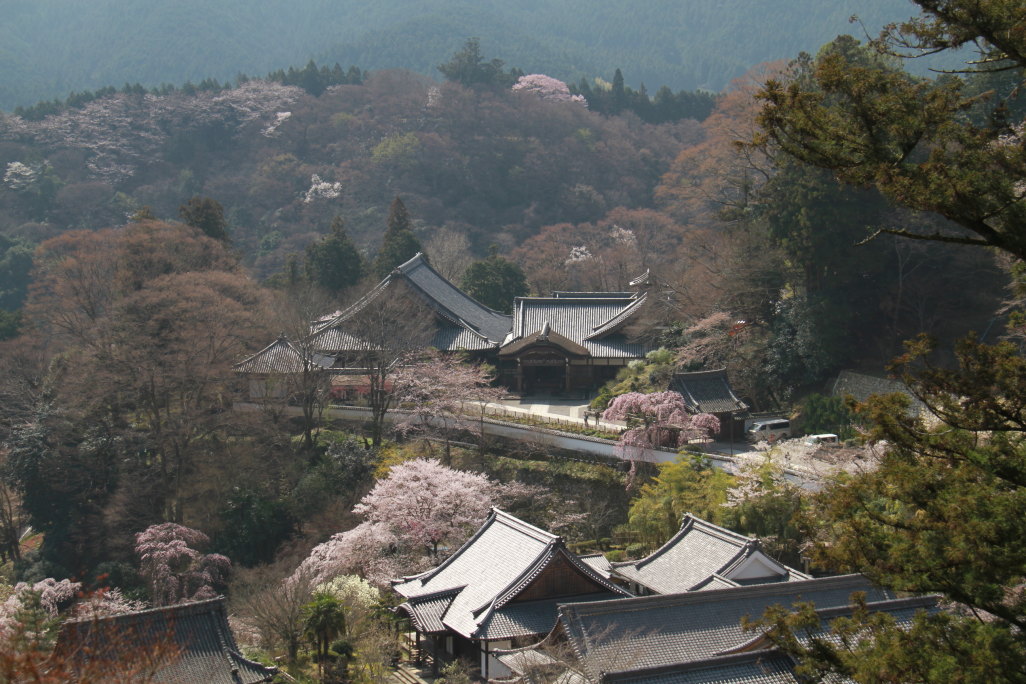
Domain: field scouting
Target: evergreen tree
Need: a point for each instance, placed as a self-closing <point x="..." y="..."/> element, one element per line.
<point x="495" y="282"/>
<point x="206" y="214"/>
<point x="399" y="244"/>
<point x="333" y="262"/>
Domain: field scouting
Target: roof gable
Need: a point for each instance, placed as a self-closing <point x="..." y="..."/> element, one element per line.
<point x="707" y="392"/>
<point x="699" y="553"/>
<point x="590" y="321"/>
<point x="505" y="557"/>
<point x="204" y="649"/>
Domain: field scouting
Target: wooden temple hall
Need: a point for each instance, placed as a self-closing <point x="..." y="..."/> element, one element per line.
<point x="571" y="342"/>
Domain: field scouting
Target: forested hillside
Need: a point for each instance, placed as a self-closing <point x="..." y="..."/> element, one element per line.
<point x="52" y="47"/>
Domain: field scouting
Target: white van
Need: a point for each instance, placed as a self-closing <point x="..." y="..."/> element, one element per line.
<point x="827" y="438"/>
<point x="770" y="430"/>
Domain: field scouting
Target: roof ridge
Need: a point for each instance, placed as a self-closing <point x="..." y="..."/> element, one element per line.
<point x="832" y="612"/>
<point x="524" y="526"/>
<point x="187" y="608"/>
<point x="856" y="581"/>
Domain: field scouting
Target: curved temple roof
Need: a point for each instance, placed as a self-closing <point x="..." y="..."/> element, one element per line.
<point x="475" y="591"/>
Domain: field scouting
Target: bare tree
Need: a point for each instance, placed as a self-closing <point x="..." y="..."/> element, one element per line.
<point x="383" y="331"/>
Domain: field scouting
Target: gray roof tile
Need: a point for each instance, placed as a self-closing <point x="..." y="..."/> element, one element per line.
<point x="281" y="356"/>
<point x="707" y="392"/>
<point x="588" y="321"/>
<point x="198" y="632"/>
<point x="658" y="631"/>
<point x="486" y="573"/>
<point x="694" y="557"/>
<point x="749" y="668"/>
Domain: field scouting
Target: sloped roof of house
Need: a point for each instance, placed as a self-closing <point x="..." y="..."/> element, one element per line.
<point x="280" y="356"/>
<point x="466" y="323"/>
<point x="474" y="592"/>
<point x="707" y="392"/>
<point x="640" y="635"/>
<point x="591" y="321"/>
<point x="202" y="645"/>
<point x="771" y="667"/>
<point x="703" y="556"/>
<point x="861" y="386"/>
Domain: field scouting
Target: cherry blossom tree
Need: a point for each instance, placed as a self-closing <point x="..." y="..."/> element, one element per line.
<point x="658" y="419"/>
<point x="427" y="504"/>
<point x="173" y="567"/>
<point x="442" y="393"/>
<point x="547" y="88"/>
<point x="420" y="507"/>
<point x="49" y="595"/>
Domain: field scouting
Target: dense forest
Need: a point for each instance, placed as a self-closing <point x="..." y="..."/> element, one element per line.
<point x="697" y="45"/>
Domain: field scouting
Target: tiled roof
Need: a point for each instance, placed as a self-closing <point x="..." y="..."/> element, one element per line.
<point x="598" y="562"/>
<point x="492" y="324"/>
<point x="658" y="631"/>
<point x="861" y="386"/>
<point x="588" y="321"/>
<point x="281" y="356"/>
<point x="486" y="574"/>
<point x="532" y="617"/>
<point x="700" y="556"/>
<point x="465" y="323"/>
<point x="707" y="392"/>
<point x="749" y="668"/>
<point x="198" y="632"/>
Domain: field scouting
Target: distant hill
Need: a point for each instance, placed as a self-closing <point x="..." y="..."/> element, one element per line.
<point x="49" y="48"/>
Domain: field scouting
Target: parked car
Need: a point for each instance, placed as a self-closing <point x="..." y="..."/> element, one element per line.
<point x="770" y="430"/>
<point x="827" y="438"/>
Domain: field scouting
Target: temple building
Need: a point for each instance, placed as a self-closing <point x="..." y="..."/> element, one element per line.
<point x="693" y="637"/>
<point x="700" y="557"/>
<point x="500" y="590"/>
<point x="188" y="642"/>
<point x="571" y="342"/>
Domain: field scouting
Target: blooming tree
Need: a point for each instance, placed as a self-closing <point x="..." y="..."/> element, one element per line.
<point x="427" y="504"/>
<point x="421" y="506"/>
<point x="547" y="88"/>
<point x="52" y="596"/>
<point x="442" y="393"/>
<point x="658" y="419"/>
<point x="173" y="567"/>
<point x="321" y="189"/>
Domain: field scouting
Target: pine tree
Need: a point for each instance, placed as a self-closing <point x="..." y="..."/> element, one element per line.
<point x="333" y="262"/>
<point x="399" y="244"/>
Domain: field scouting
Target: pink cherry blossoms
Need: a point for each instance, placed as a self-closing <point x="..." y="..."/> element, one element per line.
<point x="174" y="569"/>
<point x="658" y="419"/>
<point x="420" y="507"/>
<point x="547" y="88"/>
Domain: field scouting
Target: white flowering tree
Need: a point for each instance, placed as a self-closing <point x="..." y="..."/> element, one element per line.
<point x="443" y="395"/>
<point x="420" y="507"/>
<point x="547" y="88"/>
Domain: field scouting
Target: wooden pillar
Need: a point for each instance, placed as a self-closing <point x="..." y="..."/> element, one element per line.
<point x="434" y="659"/>
<point x="420" y="656"/>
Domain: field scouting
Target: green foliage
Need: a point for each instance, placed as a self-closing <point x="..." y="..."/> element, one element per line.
<point x="324" y="619"/>
<point x="688" y="484"/>
<point x="15" y="266"/>
<point x="255" y="525"/>
<point x="343" y="470"/>
<point x="495" y="282"/>
<point x="333" y="262"/>
<point x="206" y="214"/>
<point x="469" y="68"/>
<point x="764" y="504"/>
<point x="10" y="324"/>
<point x="650" y="375"/>
<point x="822" y="414"/>
<point x="399" y="244"/>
